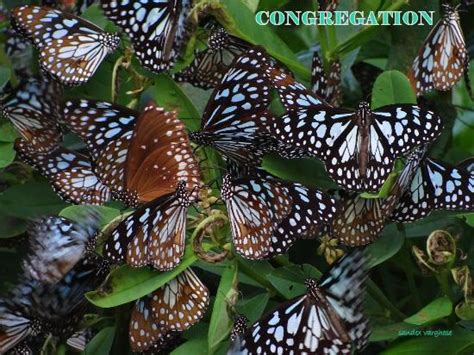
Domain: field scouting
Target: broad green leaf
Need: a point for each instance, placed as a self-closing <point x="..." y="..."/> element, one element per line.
<point x="165" y="92"/>
<point x="95" y="15"/>
<point x="11" y="226"/>
<point x="193" y="346"/>
<point x="253" y="308"/>
<point x="4" y="76"/>
<point x="436" y="310"/>
<point x="17" y="201"/>
<point x="429" y="342"/>
<point x="75" y="213"/>
<point x="220" y="324"/>
<point x="8" y="133"/>
<point x="101" y="343"/>
<point x="392" y="87"/>
<point x="465" y="311"/>
<point x="386" y="246"/>
<point x="7" y="154"/>
<point x="389" y="332"/>
<point x="126" y="284"/>
<point x="240" y="21"/>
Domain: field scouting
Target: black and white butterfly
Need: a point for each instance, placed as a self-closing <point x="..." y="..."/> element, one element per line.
<point x="34" y="110"/>
<point x="359" y="220"/>
<point x="70" y="48"/>
<point x="56" y="245"/>
<point x="436" y="186"/>
<point x="326" y="86"/>
<point x="70" y="174"/>
<point x="328" y="319"/>
<point x="35" y="311"/>
<point x="157" y="28"/>
<point x="443" y="58"/>
<point x="210" y="65"/>
<point x="267" y="215"/>
<point x="358" y="148"/>
<point x="236" y="118"/>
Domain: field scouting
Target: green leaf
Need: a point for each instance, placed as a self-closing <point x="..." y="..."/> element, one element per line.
<point x="240" y="21"/>
<point x="101" y="343"/>
<point x="389" y="332"/>
<point x="436" y="310"/>
<point x="76" y="213"/>
<point x="465" y="311"/>
<point x="4" y="76"/>
<point x="8" y="133"/>
<point x="165" y="92"/>
<point x="126" y="284"/>
<point x="16" y="201"/>
<point x="392" y="87"/>
<point x="11" y="226"/>
<point x="386" y="246"/>
<point x="253" y="308"/>
<point x="7" y="154"/>
<point x="220" y="324"/>
<point x="193" y="346"/>
<point x="289" y="280"/>
<point x="453" y="342"/>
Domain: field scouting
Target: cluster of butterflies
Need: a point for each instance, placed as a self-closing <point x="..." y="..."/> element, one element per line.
<point x="145" y="160"/>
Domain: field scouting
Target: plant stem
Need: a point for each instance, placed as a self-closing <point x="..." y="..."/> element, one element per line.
<point x="323" y="41"/>
<point x="259" y="278"/>
<point x="406" y="266"/>
<point x="381" y="299"/>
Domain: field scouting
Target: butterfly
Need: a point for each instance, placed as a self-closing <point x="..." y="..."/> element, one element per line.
<point x="326" y="87"/>
<point x="33" y="310"/>
<point x="267" y="214"/>
<point x="175" y="307"/>
<point x="436" y="186"/>
<point x="358" y="148"/>
<point x="236" y="118"/>
<point x="69" y="173"/>
<point x="33" y="108"/>
<point x="158" y="29"/>
<point x="359" y="220"/>
<point x="210" y="65"/>
<point x="56" y="245"/>
<point x="70" y="48"/>
<point x="328" y="319"/>
<point x="443" y="58"/>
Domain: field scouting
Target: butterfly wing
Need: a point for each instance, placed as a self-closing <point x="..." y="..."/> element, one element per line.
<point x="235" y="119"/>
<point x="33" y="109"/>
<point x="256" y="207"/>
<point x="69" y="173"/>
<point x="159" y="156"/>
<point x="157" y="29"/>
<point x="14" y="328"/>
<point x="318" y="76"/>
<point x="71" y="48"/>
<point x="180" y="303"/>
<point x="436" y="186"/>
<point x="57" y="244"/>
<point x="152" y="235"/>
<point x="333" y="91"/>
<point x="441" y="61"/>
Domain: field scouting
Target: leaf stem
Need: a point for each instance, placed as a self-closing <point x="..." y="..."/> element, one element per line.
<point x="381" y="299"/>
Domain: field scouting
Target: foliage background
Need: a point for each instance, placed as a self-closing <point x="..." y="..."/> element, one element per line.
<point x="399" y="296"/>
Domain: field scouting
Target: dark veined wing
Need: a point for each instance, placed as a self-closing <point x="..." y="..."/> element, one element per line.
<point x="327" y="86"/>
<point x="359" y="221"/>
<point x="311" y="210"/>
<point x="344" y="288"/>
<point x="210" y="65"/>
<point x="436" y="186"/>
<point x="14" y="327"/>
<point x="441" y="61"/>
<point x="157" y="28"/>
<point x="99" y="123"/>
<point x="70" y="48"/>
<point x="320" y="322"/>
<point x="174" y="307"/>
<point x="358" y="148"/>
<point x="33" y="109"/>
<point x="154" y="234"/>
<point x="69" y="173"/>
<point x="20" y="52"/>
<point x="235" y="119"/>
<point x="56" y="245"/>
<point x="79" y="340"/>
<point x="256" y="206"/>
